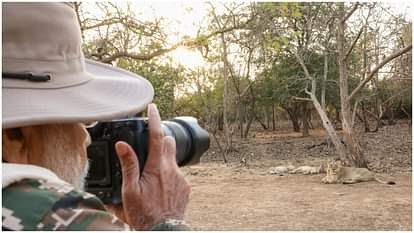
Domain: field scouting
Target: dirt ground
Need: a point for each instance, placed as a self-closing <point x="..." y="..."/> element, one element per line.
<point x="242" y="195"/>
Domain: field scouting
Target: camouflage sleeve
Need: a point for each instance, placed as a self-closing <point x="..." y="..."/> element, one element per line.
<point x="39" y="205"/>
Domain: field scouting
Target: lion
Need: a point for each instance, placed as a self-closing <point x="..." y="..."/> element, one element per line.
<point x="336" y="173"/>
<point x="307" y="170"/>
<point x="280" y="170"/>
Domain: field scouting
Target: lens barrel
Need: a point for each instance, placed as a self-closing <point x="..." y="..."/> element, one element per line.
<point x="191" y="140"/>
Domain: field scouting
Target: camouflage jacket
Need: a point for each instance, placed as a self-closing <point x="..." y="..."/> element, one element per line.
<point x="39" y="203"/>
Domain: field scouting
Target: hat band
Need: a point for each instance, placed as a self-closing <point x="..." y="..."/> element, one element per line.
<point x="27" y="76"/>
<point x="62" y="73"/>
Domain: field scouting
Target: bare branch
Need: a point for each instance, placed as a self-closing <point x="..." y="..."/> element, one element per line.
<point x="354" y="113"/>
<point x="378" y="67"/>
<point x="400" y="93"/>
<point x="105" y="22"/>
<point x="346" y="17"/>
<point x="241" y="25"/>
<point x="138" y="56"/>
<point x="302" y="64"/>
<point x="247" y="88"/>
<point x="359" y="34"/>
<point x="134" y="25"/>
<point x="353" y="43"/>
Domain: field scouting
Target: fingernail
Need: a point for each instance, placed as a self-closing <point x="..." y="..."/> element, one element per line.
<point x="154" y="109"/>
<point x="122" y="149"/>
<point x="150" y="109"/>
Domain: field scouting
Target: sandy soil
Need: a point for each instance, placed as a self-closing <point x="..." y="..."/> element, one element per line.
<point x="241" y="195"/>
<point x="236" y="199"/>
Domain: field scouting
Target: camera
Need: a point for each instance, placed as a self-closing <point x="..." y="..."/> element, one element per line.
<point x="105" y="178"/>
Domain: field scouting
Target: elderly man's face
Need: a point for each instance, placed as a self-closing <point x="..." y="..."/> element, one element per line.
<point x="59" y="147"/>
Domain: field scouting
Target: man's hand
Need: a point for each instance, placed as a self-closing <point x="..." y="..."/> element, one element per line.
<point x="161" y="192"/>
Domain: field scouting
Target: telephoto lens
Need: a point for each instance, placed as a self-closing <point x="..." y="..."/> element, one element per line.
<point x="191" y="140"/>
<point x="104" y="177"/>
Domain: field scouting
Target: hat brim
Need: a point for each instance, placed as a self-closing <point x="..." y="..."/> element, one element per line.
<point x="109" y="94"/>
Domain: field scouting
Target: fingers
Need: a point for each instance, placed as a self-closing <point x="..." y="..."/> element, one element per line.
<point x="155" y="136"/>
<point x="129" y="164"/>
<point x="169" y="150"/>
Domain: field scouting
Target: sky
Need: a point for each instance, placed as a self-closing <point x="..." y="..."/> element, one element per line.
<point x="183" y="17"/>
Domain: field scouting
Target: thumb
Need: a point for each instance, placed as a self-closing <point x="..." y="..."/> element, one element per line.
<point x="129" y="163"/>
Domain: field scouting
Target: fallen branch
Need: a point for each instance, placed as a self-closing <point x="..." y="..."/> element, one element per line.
<point x="315" y="145"/>
<point x="301" y="98"/>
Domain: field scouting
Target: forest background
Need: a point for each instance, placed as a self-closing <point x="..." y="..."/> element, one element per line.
<point x="235" y="65"/>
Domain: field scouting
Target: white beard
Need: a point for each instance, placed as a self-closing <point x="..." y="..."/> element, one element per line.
<point x="67" y="162"/>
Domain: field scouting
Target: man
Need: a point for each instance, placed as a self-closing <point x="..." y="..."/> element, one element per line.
<point x="48" y="92"/>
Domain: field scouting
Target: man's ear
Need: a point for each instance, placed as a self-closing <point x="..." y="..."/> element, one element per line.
<point x="14" y="144"/>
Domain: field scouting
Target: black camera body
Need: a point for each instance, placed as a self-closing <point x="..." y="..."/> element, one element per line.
<point x="105" y="178"/>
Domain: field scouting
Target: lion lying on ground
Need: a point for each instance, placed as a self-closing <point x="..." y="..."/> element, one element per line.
<point x="336" y="173"/>
<point x="305" y="170"/>
<point x="280" y="170"/>
<point x="308" y="170"/>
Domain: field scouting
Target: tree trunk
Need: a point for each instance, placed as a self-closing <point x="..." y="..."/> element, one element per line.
<point x="273" y="118"/>
<point x="219" y="146"/>
<point x="241" y="120"/>
<point x="225" y="95"/>
<point x="266" y="116"/>
<point x="328" y="127"/>
<point x="252" y="111"/>
<point x="391" y="116"/>
<point x="355" y="157"/>
<point x="325" y="77"/>
<point x="220" y="121"/>
<point x="364" y="118"/>
<point x="247" y="129"/>
<point x="261" y="122"/>
<point x="305" y="119"/>
<point x="363" y="75"/>
<point x="338" y="121"/>
<point x="378" y="110"/>
<point x="293" y="118"/>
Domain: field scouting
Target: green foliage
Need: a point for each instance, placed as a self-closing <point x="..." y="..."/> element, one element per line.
<point x="285" y="79"/>
<point x="201" y="40"/>
<point x="201" y="105"/>
<point x="275" y="43"/>
<point x="290" y="9"/>
<point x="164" y="78"/>
<point x="284" y="9"/>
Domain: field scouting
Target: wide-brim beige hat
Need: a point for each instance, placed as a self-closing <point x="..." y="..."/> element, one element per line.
<point x="46" y="79"/>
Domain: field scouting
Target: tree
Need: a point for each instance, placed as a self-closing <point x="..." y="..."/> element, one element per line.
<point x="356" y="156"/>
<point x="305" y="25"/>
<point x="164" y="77"/>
